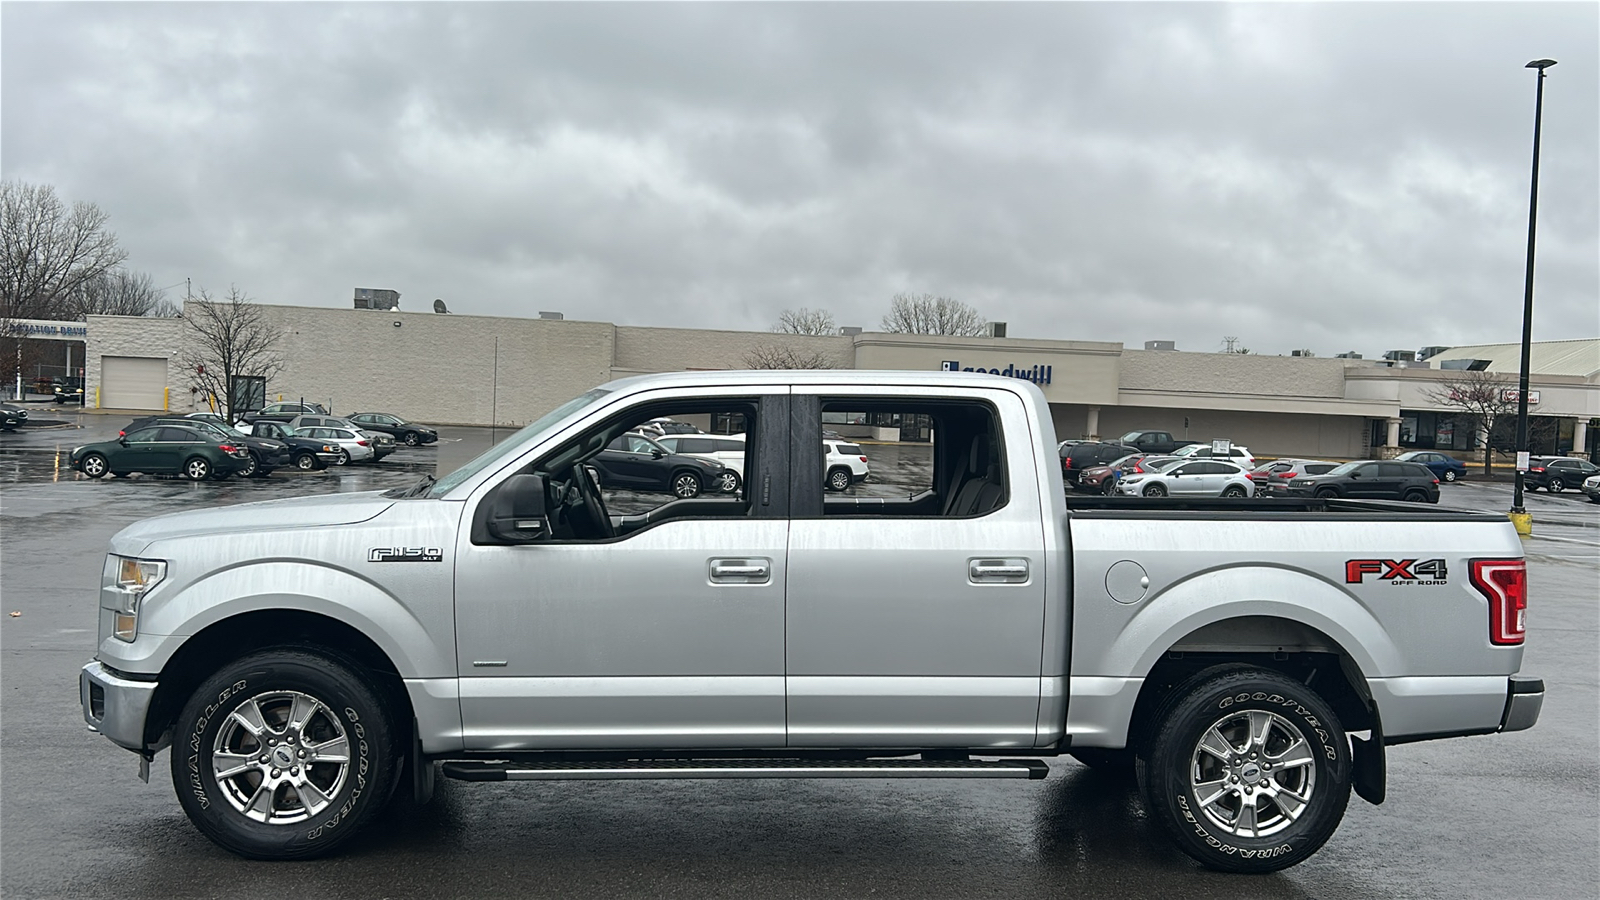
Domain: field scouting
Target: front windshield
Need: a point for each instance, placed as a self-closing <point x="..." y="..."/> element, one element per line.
<point x="1409" y="456"/>
<point x="1130" y="437"/>
<point x="554" y="417"/>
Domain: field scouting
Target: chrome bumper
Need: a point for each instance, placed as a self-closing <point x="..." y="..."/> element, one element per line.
<point x="1524" y="699"/>
<point x="113" y="706"/>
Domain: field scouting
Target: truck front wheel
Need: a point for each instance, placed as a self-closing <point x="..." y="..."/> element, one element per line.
<point x="1249" y="771"/>
<point x="283" y="754"/>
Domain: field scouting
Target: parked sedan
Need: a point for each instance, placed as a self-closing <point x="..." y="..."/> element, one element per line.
<point x="265" y="454"/>
<point x="12" y="416"/>
<point x="1443" y="465"/>
<point x="636" y="462"/>
<point x="409" y="433"/>
<point x="305" y="452"/>
<point x="162" y="449"/>
<point x="1557" y="473"/>
<point x="1371" y="479"/>
<point x="1190" y="478"/>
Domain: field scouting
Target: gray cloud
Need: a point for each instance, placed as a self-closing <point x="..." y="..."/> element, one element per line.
<point x="1332" y="176"/>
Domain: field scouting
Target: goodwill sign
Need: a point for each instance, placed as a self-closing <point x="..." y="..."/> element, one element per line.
<point x="1035" y="374"/>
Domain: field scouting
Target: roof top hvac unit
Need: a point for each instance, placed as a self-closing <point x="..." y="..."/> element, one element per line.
<point x="1161" y="345"/>
<point x="995" y="329"/>
<point x="377" y="298"/>
<point x="1400" y="355"/>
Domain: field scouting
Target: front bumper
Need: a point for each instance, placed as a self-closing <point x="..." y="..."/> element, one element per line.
<point x="1524" y="700"/>
<point x="115" y="706"/>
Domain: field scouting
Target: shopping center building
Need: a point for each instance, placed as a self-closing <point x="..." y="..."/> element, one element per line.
<point x="478" y="370"/>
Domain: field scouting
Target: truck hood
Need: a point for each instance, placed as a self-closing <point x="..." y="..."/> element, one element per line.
<point x="298" y="512"/>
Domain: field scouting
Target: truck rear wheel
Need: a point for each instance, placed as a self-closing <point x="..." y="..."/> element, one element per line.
<point x="1248" y="771"/>
<point x="283" y="754"/>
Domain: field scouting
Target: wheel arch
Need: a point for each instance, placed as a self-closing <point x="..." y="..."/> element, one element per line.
<point x="227" y="639"/>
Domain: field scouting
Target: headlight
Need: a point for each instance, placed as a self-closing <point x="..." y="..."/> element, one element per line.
<point x="1132" y="479"/>
<point x="135" y="578"/>
<point x="709" y="464"/>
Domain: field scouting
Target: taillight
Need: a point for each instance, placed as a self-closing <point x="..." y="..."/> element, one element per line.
<point x="362" y="443"/>
<point x="1066" y="462"/>
<point x="227" y="448"/>
<point x="1436" y="481"/>
<point x="863" y="459"/>
<point x="1537" y="469"/>
<point x="1504" y="583"/>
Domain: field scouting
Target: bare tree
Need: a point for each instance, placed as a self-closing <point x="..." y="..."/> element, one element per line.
<point x="780" y="356"/>
<point x="927" y="314"/>
<point x="48" y="252"/>
<point x="1484" y="399"/>
<point x="119" y="293"/>
<point x="806" y="321"/>
<point x="228" y="339"/>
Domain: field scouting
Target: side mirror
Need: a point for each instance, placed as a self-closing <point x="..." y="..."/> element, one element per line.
<point x="656" y="454"/>
<point x="1356" y="474"/>
<point x="123" y="441"/>
<point x="517" y="510"/>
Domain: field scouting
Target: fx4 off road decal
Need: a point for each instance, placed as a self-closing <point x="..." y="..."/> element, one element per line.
<point x="405" y="554"/>
<point x="1397" y="571"/>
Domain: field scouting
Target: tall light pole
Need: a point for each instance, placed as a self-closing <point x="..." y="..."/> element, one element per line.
<point x="1519" y="514"/>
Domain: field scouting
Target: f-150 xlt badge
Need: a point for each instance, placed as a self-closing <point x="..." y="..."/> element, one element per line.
<point x="405" y="554"/>
<point x="1397" y="571"/>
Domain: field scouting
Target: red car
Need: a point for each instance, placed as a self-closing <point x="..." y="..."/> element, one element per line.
<point x="1103" y="479"/>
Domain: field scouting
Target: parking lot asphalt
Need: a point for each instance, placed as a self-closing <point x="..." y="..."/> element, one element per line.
<point x="1512" y="815"/>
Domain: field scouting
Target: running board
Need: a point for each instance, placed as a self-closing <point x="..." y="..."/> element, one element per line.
<point x="745" y="768"/>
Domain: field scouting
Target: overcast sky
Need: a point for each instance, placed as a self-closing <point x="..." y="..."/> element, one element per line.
<point x="1330" y="176"/>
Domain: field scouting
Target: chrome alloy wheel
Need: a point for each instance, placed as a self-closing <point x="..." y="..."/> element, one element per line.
<point x="280" y="757"/>
<point x="1253" y="773"/>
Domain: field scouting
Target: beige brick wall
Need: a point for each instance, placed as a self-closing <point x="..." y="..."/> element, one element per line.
<point x="438" y="369"/>
<point x="1292" y="376"/>
<point x="641" y="350"/>
<point x="146" y="336"/>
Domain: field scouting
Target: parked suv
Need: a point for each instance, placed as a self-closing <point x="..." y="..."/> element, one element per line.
<point x="1371" y="479"/>
<point x="844" y="464"/>
<point x="282" y="412"/>
<point x="1237" y="454"/>
<point x="728" y="449"/>
<point x="634" y="461"/>
<point x="1274" y="477"/>
<point x="382" y="443"/>
<point x="1090" y="454"/>
<point x="1557" y="473"/>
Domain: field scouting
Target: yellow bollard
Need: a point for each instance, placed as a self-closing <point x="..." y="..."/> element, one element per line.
<point x="166" y="398"/>
<point x="1523" y="522"/>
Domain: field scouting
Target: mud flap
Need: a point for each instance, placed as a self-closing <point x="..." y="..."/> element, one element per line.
<point x="1367" y="766"/>
<point x="422" y="769"/>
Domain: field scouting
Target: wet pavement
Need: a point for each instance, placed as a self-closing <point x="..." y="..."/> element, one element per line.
<point x="1513" y="815"/>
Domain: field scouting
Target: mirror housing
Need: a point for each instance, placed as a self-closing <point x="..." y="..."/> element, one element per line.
<point x="656" y="454"/>
<point x="517" y="511"/>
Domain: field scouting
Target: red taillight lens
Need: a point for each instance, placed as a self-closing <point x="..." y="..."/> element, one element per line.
<point x="1537" y="469"/>
<point x="1066" y="462"/>
<point x="1436" y="481"/>
<point x="362" y="443"/>
<point x="226" y="448"/>
<point x="863" y="459"/>
<point x="1504" y="583"/>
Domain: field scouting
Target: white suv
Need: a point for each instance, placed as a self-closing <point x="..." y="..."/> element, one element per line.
<point x="844" y="465"/>
<point x="727" y="449"/>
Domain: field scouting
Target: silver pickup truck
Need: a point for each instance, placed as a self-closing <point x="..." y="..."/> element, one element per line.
<point x="952" y="617"/>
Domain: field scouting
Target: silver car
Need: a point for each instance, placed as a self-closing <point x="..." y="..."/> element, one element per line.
<point x="382" y="444"/>
<point x="354" y="446"/>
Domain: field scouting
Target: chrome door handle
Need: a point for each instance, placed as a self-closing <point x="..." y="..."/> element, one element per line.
<point x="741" y="571"/>
<point x="997" y="571"/>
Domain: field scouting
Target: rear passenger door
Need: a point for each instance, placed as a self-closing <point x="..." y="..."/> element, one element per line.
<point x="915" y="607"/>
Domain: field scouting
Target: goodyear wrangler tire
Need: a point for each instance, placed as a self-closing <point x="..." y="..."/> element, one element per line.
<point x="283" y="754"/>
<point x="1248" y="771"/>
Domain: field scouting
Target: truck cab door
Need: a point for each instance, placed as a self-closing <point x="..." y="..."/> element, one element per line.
<point x="915" y="608"/>
<point x="667" y="633"/>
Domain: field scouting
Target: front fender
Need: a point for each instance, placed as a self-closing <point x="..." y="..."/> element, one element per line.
<point x="1280" y="592"/>
<point x="416" y="632"/>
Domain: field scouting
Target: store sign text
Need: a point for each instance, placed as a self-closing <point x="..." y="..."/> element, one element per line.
<point x="1035" y="374"/>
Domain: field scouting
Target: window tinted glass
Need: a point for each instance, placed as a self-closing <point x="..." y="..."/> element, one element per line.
<point x="1319" y="468"/>
<point x="178" y="436"/>
<point x="1396" y="470"/>
<point x="144" y="436"/>
<point x="695" y="445"/>
<point x="638" y="444"/>
<point x="725" y="445"/>
<point x="849" y="449"/>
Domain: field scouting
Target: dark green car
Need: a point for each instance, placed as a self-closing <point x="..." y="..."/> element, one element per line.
<point x="163" y="450"/>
